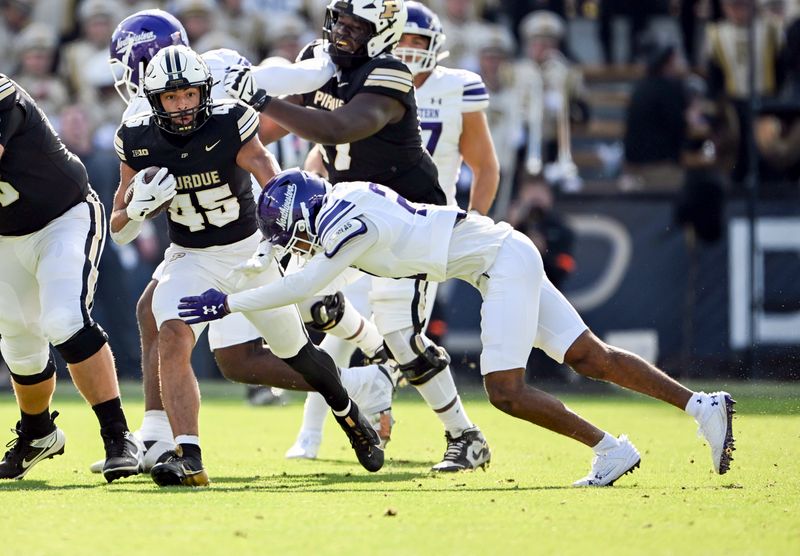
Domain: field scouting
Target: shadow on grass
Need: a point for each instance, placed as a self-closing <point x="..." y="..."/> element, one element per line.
<point x="28" y="484"/>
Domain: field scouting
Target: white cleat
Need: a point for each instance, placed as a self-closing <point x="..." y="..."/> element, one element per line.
<point x="613" y="464"/>
<point x="305" y="447"/>
<point x="715" y="424"/>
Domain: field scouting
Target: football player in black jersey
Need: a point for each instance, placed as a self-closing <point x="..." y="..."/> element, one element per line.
<point x="52" y="232"/>
<point x="207" y="151"/>
<point x="365" y="121"/>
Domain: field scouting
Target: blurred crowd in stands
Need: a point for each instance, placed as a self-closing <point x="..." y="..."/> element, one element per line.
<point x="599" y="96"/>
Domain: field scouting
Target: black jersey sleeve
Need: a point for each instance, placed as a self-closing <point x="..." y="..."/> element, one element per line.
<point x="246" y="121"/>
<point x="388" y="76"/>
<point x="8" y="93"/>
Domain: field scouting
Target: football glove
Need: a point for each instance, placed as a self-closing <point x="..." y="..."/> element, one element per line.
<point x="240" y="83"/>
<point x="148" y="196"/>
<point x="210" y="305"/>
<point x="253" y="266"/>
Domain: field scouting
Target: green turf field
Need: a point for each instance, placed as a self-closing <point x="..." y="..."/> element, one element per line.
<point x="260" y="503"/>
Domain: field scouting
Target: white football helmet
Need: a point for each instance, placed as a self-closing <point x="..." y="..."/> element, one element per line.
<point x="171" y="69"/>
<point x="387" y="18"/>
<point x="422" y="21"/>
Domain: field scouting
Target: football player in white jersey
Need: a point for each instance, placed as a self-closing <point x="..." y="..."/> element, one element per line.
<point x="370" y="227"/>
<point x="450" y="108"/>
<point x="236" y="343"/>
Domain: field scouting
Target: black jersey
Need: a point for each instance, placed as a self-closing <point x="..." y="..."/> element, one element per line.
<point x="39" y="178"/>
<point x="214" y="202"/>
<point x="394" y="156"/>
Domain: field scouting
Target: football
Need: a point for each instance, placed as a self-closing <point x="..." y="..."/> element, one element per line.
<point x="149" y="174"/>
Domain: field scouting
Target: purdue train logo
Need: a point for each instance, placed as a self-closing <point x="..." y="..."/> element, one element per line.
<point x="285" y="220"/>
<point x="390" y="8"/>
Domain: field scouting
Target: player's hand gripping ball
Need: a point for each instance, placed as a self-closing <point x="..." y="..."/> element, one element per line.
<point x="149" y="193"/>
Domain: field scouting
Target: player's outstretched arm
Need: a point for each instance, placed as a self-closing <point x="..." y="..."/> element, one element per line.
<point x="363" y="116"/>
<point x="477" y="149"/>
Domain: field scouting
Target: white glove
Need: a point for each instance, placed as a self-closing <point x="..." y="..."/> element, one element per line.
<point x="239" y="83"/>
<point x="253" y="266"/>
<point x="148" y="196"/>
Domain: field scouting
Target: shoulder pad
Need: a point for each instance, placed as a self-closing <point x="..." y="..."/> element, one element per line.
<point x="8" y="93"/>
<point x="223" y="106"/>
<point x="341" y="234"/>
<point x="138" y="120"/>
<point x="308" y="50"/>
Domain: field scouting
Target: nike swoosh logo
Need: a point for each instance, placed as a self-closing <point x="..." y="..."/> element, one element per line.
<point x="343" y="84"/>
<point x="28" y="462"/>
<point x="152" y="198"/>
<point x="209" y="147"/>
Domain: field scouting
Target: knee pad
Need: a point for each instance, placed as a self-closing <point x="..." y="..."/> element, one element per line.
<point x="82" y="345"/>
<point x="41" y="376"/>
<point x="327" y="312"/>
<point x="430" y="361"/>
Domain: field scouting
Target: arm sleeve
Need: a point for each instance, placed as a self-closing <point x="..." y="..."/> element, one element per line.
<point x="390" y="77"/>
<point x="474" y="96"/>
<point x="247" y="123"/>
<point x="312" y="278"/>
<point x="301" y="77"/>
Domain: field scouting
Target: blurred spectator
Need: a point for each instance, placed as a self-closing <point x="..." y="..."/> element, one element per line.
<point x="96" y="19"/>
<point x="656" y="122"/>
<point x="495" y="65"/>
<point x="16" y="16"/>
<point x="777" y="132"/>
<point x="461" y="25"/>
<point x="553" y="94"/>
<point x="533" y="214"/>
<point x="289" y="39"/>
<point x="637" y="13"/>
<point x="728" y="52"/>
<point x="516" y="10"/>
<point x="101" y="100"/>
<point x="221" y="39"/>
<point x="248" y="28"/>
<point x="774" y="11"/>
<point x="197" y="17"/>
<point x="36" y="48"/>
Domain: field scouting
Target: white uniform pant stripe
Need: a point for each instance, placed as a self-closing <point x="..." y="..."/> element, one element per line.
<point x="95" y="242"/>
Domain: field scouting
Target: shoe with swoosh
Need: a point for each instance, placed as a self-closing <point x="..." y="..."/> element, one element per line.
<point x="25" y="452"/>
<point x="177" y="470"/>
<point x="466" y="452"/>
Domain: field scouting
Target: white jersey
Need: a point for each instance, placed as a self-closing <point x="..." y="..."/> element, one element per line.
<point x="441" y="101"/>
<point x="368" y="226"/>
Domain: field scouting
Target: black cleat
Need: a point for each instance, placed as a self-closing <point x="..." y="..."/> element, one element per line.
<point x="124" y="456"/>
<point x="465" y="453"/>
<point x="26" y="452"/>
<point x="177" y="470"/>
<point x="363" y="438"/>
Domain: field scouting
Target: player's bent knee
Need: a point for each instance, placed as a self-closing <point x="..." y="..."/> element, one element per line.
<point x="504" y="389"/>
<point x="327" y="312"/>
<point x="589" y="356"/>
<point x="144" y="307"/>
<point x="237" y="363"/>
<point x="29" y="371"/>
<point x="429" y="363"/>
<point x="83" y="344"/>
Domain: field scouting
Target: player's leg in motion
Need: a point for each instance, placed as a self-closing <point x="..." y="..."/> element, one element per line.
<point x="399" y="311"/>
<point x="250" y="361"/>
<point x="346" y="329"/>
<point x="49" y="292"/>
<point x="592" y="358"/>
<point x="510" y="318"/>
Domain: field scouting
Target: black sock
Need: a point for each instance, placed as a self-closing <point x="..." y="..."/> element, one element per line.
<point x="36" y="426"/>
<point x="111" y="417"/>
<point x="321" y="372"/>
<point x="191" y="451"/>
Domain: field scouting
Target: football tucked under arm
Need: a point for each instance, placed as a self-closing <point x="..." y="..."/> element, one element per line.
<point x="149" y="193"/>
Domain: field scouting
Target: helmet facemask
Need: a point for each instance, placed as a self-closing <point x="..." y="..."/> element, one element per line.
<point x="385" y="19"/>
<point x="174" y="69"/>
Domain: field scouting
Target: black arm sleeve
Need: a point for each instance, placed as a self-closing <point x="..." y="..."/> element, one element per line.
<point x="10" y="122"/>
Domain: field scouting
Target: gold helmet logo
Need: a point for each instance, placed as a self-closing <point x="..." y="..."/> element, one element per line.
<point x="390" y="8"/>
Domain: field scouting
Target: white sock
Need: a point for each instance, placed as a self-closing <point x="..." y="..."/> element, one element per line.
<point x="187" y="439"/>
<point x="607" y="443"/>
<point x="440" y="391"/>
<point x="155" y="426"/>
<point x="315" y="411"/>
<point x="340" y="350"/>
<point x="695" y="404"/>
<point x="354" y="328"/>
<point x="345" y="411"/>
